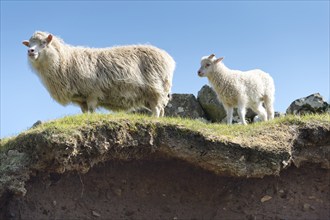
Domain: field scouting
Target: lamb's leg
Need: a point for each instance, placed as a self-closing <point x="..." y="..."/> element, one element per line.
<point x="261" y="111"/>
<point x="156" y="111"/>
<point x="229" y="111"/>
<point x="241" y="113"/>
<point x="162" y="112"/>
<point x="269" y="104"/>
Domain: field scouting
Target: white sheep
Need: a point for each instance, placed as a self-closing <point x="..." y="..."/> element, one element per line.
<point x="234" y="88"/>
<point x="116" y="78"/>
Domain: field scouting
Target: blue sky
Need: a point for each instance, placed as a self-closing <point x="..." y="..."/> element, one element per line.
<point x="287" y="39"/>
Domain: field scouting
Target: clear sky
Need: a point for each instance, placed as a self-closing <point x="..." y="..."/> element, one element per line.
<point x="287" y="39"/>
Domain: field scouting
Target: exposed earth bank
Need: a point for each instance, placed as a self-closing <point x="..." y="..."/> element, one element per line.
<point x="149" y="169"/>
<point x="171" y="189"/>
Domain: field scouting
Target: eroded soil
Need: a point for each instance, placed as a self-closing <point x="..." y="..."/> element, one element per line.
<point x="171" y="189"/>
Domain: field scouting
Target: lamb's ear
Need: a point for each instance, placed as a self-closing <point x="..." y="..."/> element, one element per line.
<point x="211" y="56"/>
<point x="49" y="38"/>
<point x="218" y="60"/>
<point x="26" y="43"/>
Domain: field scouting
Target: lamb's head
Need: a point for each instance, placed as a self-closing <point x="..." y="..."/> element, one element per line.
<point x="208" y="64"/>
<point x="37" y="43"/>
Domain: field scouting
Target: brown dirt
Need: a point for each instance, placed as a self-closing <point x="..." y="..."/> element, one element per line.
<point x="171" y="189"/>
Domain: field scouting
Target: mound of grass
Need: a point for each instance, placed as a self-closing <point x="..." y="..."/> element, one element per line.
<point x="69" y="126"/>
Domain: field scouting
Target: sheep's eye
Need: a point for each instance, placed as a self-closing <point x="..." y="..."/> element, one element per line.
<point x="43" y="43"/>
<point x="207" y="65"/>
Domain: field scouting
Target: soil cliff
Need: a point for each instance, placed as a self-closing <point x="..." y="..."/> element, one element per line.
<point x="137" y="167"/>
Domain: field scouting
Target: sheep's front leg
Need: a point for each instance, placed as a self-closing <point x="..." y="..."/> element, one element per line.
<point x="229" y="111"/>
<point x="156" y="111"/>
<point x="82" y="105"/>
<point x="91" y="104"/>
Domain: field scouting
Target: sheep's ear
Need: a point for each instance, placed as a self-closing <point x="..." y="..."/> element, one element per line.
<point x="211" y="56"/>
<point x="218" y="60"/>
<point x="26" y="43"/>
<point x="49" y="38"/>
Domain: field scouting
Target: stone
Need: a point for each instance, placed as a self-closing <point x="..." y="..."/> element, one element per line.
<point x="185" y="106"/>
<point x="212" y="107"/>
<point x="256" y="119"/>
<point x="279" y="114"/>
<point x="311" y="104"/>
<point x="96" y="214"/>
<point x="265" y="198"/>
<point x="36" y="124"/>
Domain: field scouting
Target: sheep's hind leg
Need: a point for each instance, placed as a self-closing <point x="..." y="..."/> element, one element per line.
<point x="83" y="106"/>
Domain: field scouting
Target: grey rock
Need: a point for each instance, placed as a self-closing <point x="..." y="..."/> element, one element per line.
<point x="279" y="114"/>
<point x="311" y="104"/>
<point x="184" y="105"/>
<point x="256" y="119"/>
<point x="213" y="108"/>
<point x="36" y="124"/>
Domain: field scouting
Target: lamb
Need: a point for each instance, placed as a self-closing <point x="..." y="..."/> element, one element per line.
<point x="235" y="88"/>
<point x="116" y="78"/>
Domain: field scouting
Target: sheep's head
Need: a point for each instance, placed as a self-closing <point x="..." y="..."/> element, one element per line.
<point x="207" y="65"/>
<point x="37" y="43"/>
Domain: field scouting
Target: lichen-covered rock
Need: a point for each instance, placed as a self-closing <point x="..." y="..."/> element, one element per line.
<point x="311" y="104"/>
<point x="185" y="106"/>
<point x="213" y="108"/>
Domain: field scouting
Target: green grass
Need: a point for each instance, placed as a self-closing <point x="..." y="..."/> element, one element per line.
<point x="70" y="126"/>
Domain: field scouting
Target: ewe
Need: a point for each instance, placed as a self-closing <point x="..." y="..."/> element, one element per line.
<point x="234" y="88"/>
<point x="117" y="78"/>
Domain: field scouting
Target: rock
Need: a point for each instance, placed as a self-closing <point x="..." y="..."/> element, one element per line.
<point x="14" y="153"/>
<point x="256" y="119"/>
<point x="117" y="192"/>
<point x="36" y="124"/>
<point x="310" y="104"/>
<point x="96" y="214"/>
<point x="214" y="109"/>
<point x="306" y="207"/>
<point x="279" y="114"/>
<point x="184" y="105"/>
<point x="266" y="198"/>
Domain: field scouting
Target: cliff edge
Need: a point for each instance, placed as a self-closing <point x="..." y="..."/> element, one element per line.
<point x="167" y="150"/>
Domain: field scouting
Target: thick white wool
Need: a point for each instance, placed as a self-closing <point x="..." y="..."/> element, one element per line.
<point x="234" y="88"/>
<point x="117" y="78"/>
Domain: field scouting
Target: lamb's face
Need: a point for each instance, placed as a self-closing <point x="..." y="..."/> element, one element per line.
<point x="207" y="65"/>
<point x="36" y="45"/>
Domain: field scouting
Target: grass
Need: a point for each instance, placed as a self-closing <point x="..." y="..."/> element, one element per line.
<point x="68" y="126"/>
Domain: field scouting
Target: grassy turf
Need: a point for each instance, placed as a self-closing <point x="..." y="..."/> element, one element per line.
<point x="72" y="125"/>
